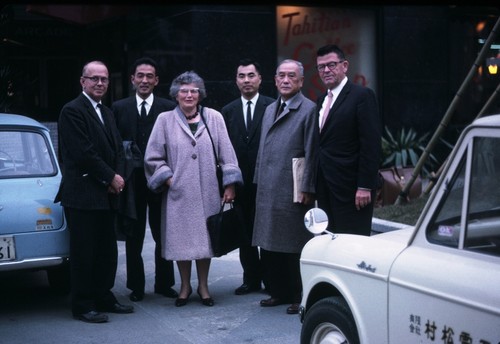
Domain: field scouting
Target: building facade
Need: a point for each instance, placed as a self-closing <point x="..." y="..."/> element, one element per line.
<point x="418" y="55"/>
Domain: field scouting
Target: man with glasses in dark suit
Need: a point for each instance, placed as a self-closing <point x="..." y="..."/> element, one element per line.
<point x="349" y="146"/>
<point x="92" y="162"/>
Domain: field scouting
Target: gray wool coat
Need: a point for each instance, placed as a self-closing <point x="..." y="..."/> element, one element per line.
<point x="279" y="223"/>
<point x="173" y="151"/>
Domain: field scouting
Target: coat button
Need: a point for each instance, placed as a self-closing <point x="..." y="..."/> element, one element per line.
<point x="193" y="143"/>
<point x="193" y="156"/>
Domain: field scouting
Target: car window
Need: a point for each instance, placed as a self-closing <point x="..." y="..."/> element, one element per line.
<point x="479" y="228"/>
<point x="483" y="216"/>
<point x="445" y="229"/>
<point x="25" y="153"/>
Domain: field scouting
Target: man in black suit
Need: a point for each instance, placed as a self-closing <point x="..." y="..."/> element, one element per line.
<point x="92" y="161"/>
<point x="243" y="118"/>
<point x="136" y="126"/>
<point x="349" y="146"/>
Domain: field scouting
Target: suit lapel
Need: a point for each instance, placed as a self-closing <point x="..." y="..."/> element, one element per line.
<point x="240" y="120"/>
<point x="106" y="117"/>
<point x="340" y="99"/>
<point x="107" y="125"/>
<point x="133" y="117"/>
<point x="294" y="104"/>
<point x="257" y="117"/>
<point x="92" y="112"/>
<point x="154" y="111"/>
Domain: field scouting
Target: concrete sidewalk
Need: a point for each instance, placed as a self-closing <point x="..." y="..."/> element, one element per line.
<point x="31" y="313"/>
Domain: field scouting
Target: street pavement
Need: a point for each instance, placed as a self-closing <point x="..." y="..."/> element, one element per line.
<point x="31" y="313"/>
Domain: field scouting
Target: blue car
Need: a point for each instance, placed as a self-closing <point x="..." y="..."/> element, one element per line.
<point x="33" y="230"/>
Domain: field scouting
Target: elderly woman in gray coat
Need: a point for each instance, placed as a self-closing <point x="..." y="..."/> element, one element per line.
<point x="180" y="163"/>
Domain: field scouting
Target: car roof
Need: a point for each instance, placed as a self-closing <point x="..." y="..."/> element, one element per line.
<point x="492" y="120"/>
<point x="12" y="120"/>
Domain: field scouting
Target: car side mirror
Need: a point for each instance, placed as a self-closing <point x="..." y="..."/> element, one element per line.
<point x="316" y="221"/>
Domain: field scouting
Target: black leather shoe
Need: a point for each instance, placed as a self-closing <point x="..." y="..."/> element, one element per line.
<point x="92" y="317"/>
<point x="136" y="296"/>
<point x="118" y="308"/>
<point x="293" y="309"/>
<point x="167" y="293"/>
<point x="181" y="301"/>
<point x="246" y="289"/>
<point x="272" y="301"/>
<point x="206" y="301"/>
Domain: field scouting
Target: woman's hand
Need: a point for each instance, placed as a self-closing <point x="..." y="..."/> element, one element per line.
<point x="229" y="193"/>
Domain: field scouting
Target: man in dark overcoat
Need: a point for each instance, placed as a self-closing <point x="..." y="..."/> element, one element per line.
<point x="289" y="130"/>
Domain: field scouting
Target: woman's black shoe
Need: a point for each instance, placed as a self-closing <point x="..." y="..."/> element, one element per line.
<point x="207" y="301"/>
<point x="181" y="301"/>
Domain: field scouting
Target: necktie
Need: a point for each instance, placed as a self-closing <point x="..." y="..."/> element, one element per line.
<point x="249" y="115"/>
<point x="326" y="110"/>
<point x="99" y="113"/>
<point x="143" y="110"/>
<point x="280" y="110"/>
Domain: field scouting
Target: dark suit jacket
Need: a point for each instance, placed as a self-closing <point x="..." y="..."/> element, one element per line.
<point x="125" y="111"/>
<point x="91" y="154"/>
<point x="350" y="142"/>
<point x="126" y="115"/>
<point x="246" y="146"/>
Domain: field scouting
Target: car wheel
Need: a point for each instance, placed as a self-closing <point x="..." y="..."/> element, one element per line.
<point x="59" y="278"/>
<point x="329" y="321"/>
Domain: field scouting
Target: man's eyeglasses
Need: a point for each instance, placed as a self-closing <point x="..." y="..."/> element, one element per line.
<point x="95" y="79"/>
<point x="187" y="90"/>
<point x="330" y="65"/>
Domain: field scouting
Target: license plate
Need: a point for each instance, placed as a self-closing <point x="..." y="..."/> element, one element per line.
<point x="7" y="248"/>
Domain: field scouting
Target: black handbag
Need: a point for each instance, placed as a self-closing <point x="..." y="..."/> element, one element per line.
<point x="225" y="229"/>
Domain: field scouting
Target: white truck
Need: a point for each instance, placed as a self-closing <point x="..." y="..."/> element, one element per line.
<point x="435" y="282"/>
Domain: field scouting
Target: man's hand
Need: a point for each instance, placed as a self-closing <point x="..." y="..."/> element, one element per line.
<point x="117" y="184"/>
<point x="363" y="198"/>
<point x="306" y="198"/>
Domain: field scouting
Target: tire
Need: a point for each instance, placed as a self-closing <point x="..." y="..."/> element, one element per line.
<point x="329" y="321"/>
<point x="59" y="278"/>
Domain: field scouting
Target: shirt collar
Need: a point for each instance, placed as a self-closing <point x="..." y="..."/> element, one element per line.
<point x="92" y="101"/>
<point x="336" y="91"/>
<point x="149" y="100"/>
<point x="253" y="100"/>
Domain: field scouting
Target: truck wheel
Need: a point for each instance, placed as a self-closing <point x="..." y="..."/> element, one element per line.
<point x="59" y="278"/>
<point x="329" y="321"/>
